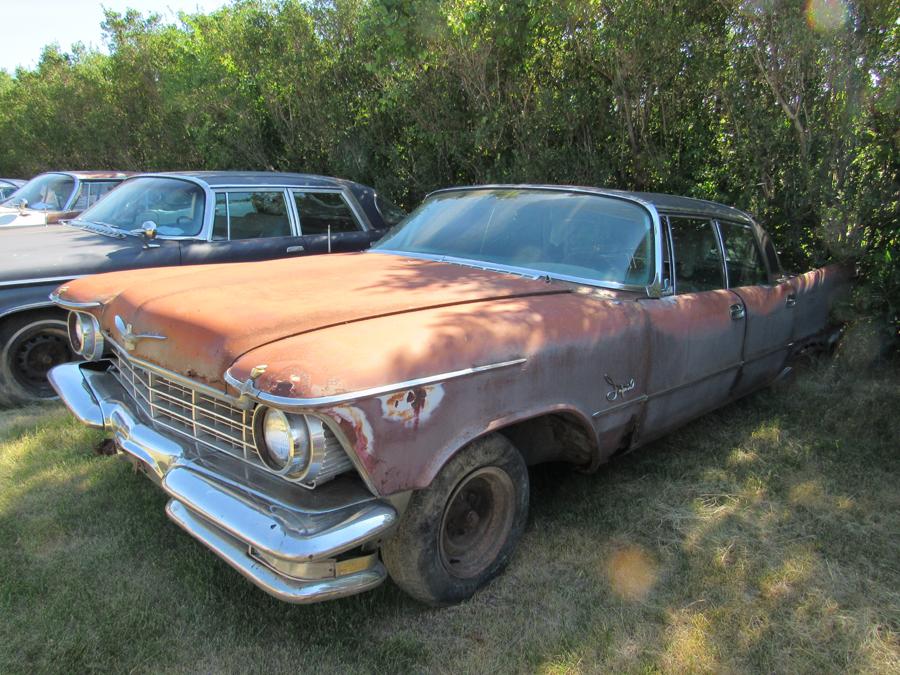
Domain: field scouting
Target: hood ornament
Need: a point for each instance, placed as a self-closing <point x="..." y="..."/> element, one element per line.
<point x="129" y="337"/>
<point x="246" y="388"/>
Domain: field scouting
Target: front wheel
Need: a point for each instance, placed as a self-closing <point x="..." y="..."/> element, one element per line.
<point x="460" y="532"/>
<point x="30" y="345"/>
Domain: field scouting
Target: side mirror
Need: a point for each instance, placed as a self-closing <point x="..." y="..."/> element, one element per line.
<point x="147" y="231"/>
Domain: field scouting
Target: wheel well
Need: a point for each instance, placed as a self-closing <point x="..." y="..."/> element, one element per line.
<point x="553" y="437"/>
<point x="49" y="311"/>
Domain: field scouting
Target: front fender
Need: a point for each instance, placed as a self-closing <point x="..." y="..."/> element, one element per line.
<point x="20" y="298"/>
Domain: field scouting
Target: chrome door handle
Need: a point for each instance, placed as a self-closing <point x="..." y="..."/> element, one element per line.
<point x="738" y="312"/>
<point x="294" y="249"/>
<point x="791" y="300"/>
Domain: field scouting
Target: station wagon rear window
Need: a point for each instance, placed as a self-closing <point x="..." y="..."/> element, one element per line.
<point x="174" y="206"/>
<point x="564" y="234"/>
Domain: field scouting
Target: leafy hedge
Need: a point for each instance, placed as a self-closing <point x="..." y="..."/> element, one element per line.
<point x="785" y="108"/>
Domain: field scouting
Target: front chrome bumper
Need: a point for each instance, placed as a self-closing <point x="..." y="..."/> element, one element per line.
<point x="296" y="544"/>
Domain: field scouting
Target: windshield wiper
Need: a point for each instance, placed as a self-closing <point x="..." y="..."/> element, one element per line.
<point x="98" y="227"/>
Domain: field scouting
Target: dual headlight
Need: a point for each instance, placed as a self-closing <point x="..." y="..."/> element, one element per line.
<point x="297" y="447"/>
<point x="85" y="335"/>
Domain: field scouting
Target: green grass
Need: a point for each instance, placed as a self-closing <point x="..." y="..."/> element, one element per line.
<point x="765" y="537"/>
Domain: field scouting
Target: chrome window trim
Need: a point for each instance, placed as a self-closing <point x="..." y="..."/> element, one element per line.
<point x="653" y="289"/>
<point x="721" y="243"/>
<point x="293" y="404"/>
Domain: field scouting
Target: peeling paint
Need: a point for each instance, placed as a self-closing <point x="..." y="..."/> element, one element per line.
<point x="411" y="406"/>
<point x="360" y="431"/>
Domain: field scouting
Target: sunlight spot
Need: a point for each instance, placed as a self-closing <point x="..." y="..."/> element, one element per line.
<point x="826" y="16"/>
<point x="809" y="493"/>
<point x="632" y="573"/>
<point x="688" y="648"/>
<point x="740" y="457"/>
<point x="783" y="582"/>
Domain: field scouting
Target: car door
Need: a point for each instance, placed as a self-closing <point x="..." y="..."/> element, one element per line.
<point x="248" y="224"/>
<point x="329" y="222"/>
<point x="696" y="333"/>
<point x="769" y="307"/>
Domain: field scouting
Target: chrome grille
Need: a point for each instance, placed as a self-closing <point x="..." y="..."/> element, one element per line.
<point x="210" y="420"/>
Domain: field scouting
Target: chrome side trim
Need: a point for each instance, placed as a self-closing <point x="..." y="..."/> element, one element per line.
<point x="72" y="304"/>
<point x="24" y="308"/>
<point x="291" y="403"/>
<point x="618" y="406"/>
<point x="39" y="280"/>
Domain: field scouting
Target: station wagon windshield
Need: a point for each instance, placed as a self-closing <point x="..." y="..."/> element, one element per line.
<point x="562" y="234"/>
<point x="47" y="192"/>
<point x="173" y="205"/>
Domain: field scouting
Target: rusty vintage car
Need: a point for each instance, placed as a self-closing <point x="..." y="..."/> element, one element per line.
<point x="54" y="196"/>
<point x="323" y="423"/>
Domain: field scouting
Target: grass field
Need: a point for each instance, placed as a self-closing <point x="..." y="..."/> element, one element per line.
<point x="762" y="538"/>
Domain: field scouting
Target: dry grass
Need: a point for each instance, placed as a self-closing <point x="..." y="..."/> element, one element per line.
<point x="763" y="538"/>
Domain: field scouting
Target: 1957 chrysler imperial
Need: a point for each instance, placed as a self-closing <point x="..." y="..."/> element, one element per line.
<point x="323" y="423"/>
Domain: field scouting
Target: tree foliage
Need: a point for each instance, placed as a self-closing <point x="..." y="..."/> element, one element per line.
<point x="786" y="108"/>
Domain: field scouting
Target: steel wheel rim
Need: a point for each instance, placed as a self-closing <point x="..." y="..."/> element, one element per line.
<point x="33" y="352"/>
<point x="477" y="521"/>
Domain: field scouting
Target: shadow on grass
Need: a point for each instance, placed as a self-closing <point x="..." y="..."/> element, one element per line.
<point x="762" y="537"/>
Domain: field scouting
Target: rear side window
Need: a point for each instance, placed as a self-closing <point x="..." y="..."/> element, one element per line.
<point x="742" y="256"/>
<point x="251" y="215"/>
<point x="320" y="210"/>
<point x="698" y="262"/>
<point x="89" y="193"/>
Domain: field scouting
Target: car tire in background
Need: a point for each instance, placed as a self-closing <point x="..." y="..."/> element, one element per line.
<point x="30" y="344"/>
<point x="461" y="530"/>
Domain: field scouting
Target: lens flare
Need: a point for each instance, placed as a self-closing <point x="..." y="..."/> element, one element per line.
<point x="826" y="16"/>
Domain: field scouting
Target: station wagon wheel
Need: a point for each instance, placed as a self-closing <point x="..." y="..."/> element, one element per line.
<point x="29" y="347"/>
<point x="460" y="532"/>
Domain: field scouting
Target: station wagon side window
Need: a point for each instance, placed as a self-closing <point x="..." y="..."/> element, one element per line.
<point x="251" y="215"/>
<point x="742" y="257"/>
<point x="698" y="259"/>
<point x="319" y="210"/>
<point x="89" y="193"/>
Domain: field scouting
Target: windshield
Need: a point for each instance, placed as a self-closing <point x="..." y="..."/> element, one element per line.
<point x="563" y="234"/>
<point x="175" y="206"/>
<point x="47" y="192"/>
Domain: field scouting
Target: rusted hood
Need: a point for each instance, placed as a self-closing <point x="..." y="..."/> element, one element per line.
<point x="212" y="314"/>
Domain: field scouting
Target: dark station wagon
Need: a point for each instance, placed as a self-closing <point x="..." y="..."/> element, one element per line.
<point x="166" y="219"/>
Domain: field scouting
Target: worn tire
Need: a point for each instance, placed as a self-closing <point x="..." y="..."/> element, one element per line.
<point x="28" y="342"/>
<point x="434" y="562"/>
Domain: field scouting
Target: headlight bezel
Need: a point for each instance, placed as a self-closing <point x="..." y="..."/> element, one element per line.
<point x="307" y="444"/>
<point x="90" y="344"/>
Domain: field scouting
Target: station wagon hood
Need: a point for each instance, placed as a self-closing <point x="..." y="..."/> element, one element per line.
<point x="10" y="216"/>
<point x="63" y="251"/>
<point x="212" y="314"/>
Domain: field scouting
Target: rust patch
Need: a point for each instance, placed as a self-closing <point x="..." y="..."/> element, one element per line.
<point x="411" y="406"/>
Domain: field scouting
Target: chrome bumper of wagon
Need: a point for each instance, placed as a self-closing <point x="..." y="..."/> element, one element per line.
<point x="291" y="542"/>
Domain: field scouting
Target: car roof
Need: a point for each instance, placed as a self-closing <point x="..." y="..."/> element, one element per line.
<point x="227" y="178"/>
<point x="95" y="175"/>
<point x="664" y="203"/>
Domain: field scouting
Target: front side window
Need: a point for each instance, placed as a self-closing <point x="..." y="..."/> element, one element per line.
<point x="173" y="205"/>
<point x="742" y="256"/>
<point x="251" y="215"/>
<point x="698" y="262"/>
<point x="320" y="210"/>
<point x="565" y="234"/>
<point x="47" y="192"/>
